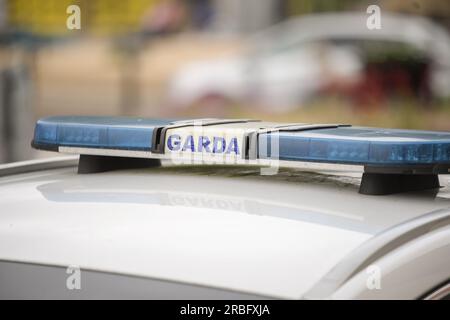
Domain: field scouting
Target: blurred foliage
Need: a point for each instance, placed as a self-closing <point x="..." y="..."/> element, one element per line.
<point x="379" y="51"/>
<point x="48" y="17"/>
<point x="295" y="7"/>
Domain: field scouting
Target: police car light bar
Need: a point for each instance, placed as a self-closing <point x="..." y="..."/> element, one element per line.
<point x="394" y="160"/>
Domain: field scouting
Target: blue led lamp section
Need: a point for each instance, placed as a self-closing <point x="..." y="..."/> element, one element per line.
<point x="95" y="132"/>
<point x="342" y="145"/>
<point x="362" y="146"/>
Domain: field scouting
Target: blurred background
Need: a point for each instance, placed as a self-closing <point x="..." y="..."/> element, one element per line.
<point x="276" y="60"/>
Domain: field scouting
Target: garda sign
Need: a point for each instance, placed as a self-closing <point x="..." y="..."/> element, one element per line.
<point x="203" y="144"/>
<point x="218" y="143"/>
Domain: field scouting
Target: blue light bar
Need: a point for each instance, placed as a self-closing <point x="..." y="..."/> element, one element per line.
<point x="394" y="160"/>
<point x="338" y="144"/>
<point x="364" y="146"/>
<point x="96" y="132"/>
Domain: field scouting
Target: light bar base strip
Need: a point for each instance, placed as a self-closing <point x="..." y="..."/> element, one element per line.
<point x="301" y="165"/>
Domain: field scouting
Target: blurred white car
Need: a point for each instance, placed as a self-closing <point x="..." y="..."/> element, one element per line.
<point x="292" y="61"/>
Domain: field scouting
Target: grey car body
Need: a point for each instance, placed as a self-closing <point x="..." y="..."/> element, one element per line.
<point x="217" y="232"/>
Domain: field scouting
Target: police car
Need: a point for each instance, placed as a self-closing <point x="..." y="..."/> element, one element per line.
<point x="226" y="209"/>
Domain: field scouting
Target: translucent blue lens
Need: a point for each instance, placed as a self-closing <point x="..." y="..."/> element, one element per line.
<point x="353" y="145"/>
<point x="97" y="132"/>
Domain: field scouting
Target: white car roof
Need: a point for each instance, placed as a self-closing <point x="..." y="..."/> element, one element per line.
<point x="219" y="226"/>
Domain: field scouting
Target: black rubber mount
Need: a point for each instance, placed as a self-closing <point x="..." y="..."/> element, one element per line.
<point x="94" y="164"/>
<point x="389" y="183"/>
<point x="43" y="146"/>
